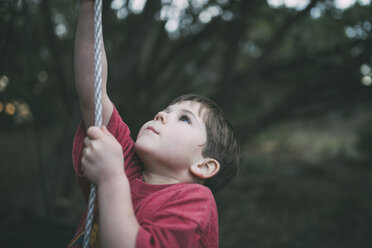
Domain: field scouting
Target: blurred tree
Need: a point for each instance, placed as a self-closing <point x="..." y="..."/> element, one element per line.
<point x="263" y="64"/>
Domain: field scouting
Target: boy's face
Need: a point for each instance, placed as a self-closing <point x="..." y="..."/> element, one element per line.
<point x="174" y="140"/>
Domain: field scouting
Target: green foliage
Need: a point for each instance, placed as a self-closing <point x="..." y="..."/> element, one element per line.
<point x="275" y="72"/>
<point x="364" y="143"/>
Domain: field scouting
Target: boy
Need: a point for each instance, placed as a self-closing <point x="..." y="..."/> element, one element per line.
<point x="151" y="193"/>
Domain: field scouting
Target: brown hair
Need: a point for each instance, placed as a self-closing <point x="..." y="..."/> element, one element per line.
<point x="222" y="143"/>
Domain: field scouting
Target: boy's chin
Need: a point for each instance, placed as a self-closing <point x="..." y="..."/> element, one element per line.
<point x="137" y="146"/>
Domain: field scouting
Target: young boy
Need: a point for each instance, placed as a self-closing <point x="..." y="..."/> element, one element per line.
<point x="156" y="192"/>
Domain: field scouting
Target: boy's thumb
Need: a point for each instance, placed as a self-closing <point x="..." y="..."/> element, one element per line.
<point x="106" y="131"/>
<point x="94" y="132"/>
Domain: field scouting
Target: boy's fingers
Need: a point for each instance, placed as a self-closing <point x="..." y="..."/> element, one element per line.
<point x="86" y="153"/>
<point x="87" y="141"/>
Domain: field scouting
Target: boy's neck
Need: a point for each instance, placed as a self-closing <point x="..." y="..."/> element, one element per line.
<point x="153" y="178"/>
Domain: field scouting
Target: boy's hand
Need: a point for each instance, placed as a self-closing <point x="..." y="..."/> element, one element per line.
<point x="102" y="159"/>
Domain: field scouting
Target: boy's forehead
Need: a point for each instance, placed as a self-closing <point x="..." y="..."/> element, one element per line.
<point x="192" y="106"/>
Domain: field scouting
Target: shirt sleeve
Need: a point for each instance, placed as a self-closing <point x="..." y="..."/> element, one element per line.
<point x="188" y="219"/>
<point x="122" y="134"/>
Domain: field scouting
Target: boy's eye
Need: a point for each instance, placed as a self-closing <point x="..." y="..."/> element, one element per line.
<point x="185" y="118"/>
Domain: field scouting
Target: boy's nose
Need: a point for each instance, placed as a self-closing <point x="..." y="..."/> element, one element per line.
<point x="162" y="117"/>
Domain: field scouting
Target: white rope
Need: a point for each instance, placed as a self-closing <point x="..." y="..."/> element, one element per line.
<point x="98" y="107"/>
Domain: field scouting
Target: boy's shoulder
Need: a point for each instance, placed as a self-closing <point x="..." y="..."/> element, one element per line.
<point x="195" y="189"/>
<point x="195" y="202"/>
<point x="189" y="200"/>
<point x="180" y="194"/>
<point x="191" y="193"/>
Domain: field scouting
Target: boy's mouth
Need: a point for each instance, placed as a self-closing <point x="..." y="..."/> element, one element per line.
<point x="152" y="129"/>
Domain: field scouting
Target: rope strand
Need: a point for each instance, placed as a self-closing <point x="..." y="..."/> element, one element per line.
<point x="98" y="108"/>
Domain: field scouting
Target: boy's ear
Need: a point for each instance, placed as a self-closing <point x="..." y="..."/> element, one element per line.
<point x="206" y="168"/>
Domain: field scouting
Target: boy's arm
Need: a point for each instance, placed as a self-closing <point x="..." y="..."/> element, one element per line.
<point x="84" y="66"/>
<point x="102" y="163"/>
<point x="117" y="221"/>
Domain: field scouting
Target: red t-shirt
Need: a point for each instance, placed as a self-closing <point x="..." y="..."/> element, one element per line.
<point x="171" y="215"/>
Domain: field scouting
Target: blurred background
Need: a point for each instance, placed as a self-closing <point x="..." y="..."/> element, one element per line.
<point x="293" y="76"/>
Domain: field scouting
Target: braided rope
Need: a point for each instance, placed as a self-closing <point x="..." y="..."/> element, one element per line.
<point x="98" y="107"/>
